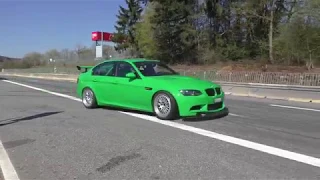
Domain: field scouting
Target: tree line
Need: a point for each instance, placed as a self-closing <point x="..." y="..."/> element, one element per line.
<point x="79" y="55"/>
<point x="285" y="32"/>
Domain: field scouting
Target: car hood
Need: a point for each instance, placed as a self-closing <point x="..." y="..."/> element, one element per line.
<point x="182" y="82"/>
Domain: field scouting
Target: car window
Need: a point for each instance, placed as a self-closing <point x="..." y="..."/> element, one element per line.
<point x="104" y="69"/>
<point x="124" y="68"/>
<point x="150" y="68"/>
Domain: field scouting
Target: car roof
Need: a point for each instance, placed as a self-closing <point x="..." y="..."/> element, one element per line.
<point x="132" y="60"/>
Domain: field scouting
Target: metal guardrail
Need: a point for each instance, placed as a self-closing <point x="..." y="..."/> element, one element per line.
<point x="270" y="78"/>
<point x="275" y="78"/>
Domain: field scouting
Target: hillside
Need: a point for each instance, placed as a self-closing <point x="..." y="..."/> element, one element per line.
<point x="4" y="58"/>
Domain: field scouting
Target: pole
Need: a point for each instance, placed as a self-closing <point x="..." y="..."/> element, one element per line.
<point x="102" y="44"/>
<point x="55" y="67"/>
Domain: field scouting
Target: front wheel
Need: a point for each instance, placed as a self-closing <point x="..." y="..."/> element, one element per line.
<point x="165" y="106"/>
<point x="89" y="99"/>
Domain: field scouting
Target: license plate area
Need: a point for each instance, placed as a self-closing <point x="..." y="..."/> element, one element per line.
<point x="217" y="100"/>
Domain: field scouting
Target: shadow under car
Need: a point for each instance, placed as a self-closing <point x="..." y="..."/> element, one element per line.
<point x="206" y="117"/>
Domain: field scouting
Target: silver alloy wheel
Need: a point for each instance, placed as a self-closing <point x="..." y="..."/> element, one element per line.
<point x="162" y="105"/>
<point x="87" y="97"/>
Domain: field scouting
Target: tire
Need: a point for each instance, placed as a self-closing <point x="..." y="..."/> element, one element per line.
<point x="165" y="106"/>
<point x="89" y="99"/>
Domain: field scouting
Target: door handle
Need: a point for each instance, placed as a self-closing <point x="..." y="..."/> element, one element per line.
<point x="94" y="80"/>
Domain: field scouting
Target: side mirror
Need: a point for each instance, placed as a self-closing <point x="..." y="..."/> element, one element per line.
<point x="131" y="75"/>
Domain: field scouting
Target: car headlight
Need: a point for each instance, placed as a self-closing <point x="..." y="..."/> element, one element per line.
<point x="190" y="92"/>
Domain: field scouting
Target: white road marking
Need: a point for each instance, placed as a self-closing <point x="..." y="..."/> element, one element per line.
<point x="292" y="107"/>
<point x="8" y="171"/>
<point x="236" y="115"/>
<point x="313" y="161"/>
<point x="43" y="90"/>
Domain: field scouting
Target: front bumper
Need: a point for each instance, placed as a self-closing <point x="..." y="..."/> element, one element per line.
<point x="200" y="105"/>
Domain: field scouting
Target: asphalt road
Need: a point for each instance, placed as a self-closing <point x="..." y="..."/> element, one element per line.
<point x="49" y="137"/>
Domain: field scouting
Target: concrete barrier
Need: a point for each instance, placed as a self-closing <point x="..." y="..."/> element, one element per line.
<point x="267" y="91"/>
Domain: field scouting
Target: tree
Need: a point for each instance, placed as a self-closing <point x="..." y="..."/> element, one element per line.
<point x="299" y="39"/>
<point x="174" y="33"/>
<point x="125" y="35"/>
<point x="263" y="18"/>
<point x="78" y="50"/>
<point x="52" y="54"/>
<point x="32" y="59"/>
<point x="145" y="33"/>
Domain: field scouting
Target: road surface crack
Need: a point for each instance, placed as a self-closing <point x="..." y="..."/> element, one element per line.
<point x="116" y="161"/>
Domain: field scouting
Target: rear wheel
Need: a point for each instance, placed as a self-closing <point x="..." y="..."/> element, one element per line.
<point x="165" y="106"/>
<point x="89" y="99"/>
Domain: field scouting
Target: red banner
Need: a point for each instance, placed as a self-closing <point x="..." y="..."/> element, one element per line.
<point x="97" y="36"/>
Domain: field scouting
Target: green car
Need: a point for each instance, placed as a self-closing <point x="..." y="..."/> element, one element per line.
<point x="149" y="86"/>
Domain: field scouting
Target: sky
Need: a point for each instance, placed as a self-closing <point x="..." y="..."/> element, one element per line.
<point x="41" y="25"/>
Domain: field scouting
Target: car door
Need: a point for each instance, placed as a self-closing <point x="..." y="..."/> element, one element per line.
<point x="131" y="92"/>
<point x="103" y="80"/>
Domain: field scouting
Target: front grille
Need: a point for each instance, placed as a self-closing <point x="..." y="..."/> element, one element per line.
<point x="215" y="106"/>
<point x="218" y="90"/>
<point x="195" y="108"/>
<point x="210" y="92"/>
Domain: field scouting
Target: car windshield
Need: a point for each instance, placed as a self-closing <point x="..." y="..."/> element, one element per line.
<point x="153" y="68"/>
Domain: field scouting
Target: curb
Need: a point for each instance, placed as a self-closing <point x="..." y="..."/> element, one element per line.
<point x="302" y="100"/>
<point x="315" y="101"/>
<point x="226" y="93"/>
<point x="43" y="77"/>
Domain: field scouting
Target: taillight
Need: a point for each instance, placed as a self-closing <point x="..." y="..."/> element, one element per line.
<point x="77" y="80"/>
